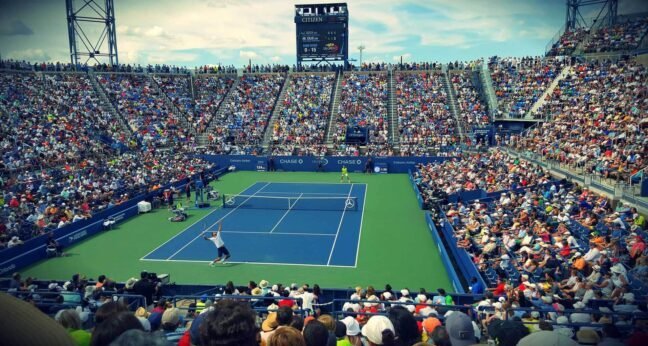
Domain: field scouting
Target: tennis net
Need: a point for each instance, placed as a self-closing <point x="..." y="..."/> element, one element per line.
<point x="292" y="203"/>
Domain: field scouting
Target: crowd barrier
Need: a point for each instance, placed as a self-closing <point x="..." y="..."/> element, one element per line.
<point x="33" y="250"/>
<point x="447" y="263"/>
<point x="419" y="198"/>
<point x="462" y="258"/>
<point x="320" y="163"/>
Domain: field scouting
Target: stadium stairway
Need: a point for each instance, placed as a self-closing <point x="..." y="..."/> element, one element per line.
<point x="106" y="104"/>
<point x="543" y="98"/>
<point x="335" y="106"/>
<point x="202" y="138"/>
<point x="488" y="90"/>
<point x="276" y="109"/>
<point x="393" y="115"/>
<point x="454" y="106"/>
<point x="184" y="118"/>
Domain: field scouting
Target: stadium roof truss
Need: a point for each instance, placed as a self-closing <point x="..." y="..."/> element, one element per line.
<point x="91" y="31"/>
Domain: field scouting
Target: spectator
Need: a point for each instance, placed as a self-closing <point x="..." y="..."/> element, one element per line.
<point x="286" y="337"/>
<point x="110" y="329"/>
<point x="231" y="323"/>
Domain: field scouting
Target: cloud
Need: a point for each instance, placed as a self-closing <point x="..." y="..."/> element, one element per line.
<point x="14" y="28"/>
<point x="406" y="57"/>
<point x="275" y="58"/>
<point x="34" y="55"/>
<point x="248" y="54"/>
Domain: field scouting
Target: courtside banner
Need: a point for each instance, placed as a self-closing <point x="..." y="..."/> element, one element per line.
<point x="355" y="164"/>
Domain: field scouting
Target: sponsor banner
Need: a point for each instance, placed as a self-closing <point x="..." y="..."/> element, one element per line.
<point x="324" y="163"/>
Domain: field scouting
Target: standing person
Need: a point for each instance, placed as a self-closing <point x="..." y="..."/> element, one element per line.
<point x="345" y="173"/>
<point x="271" y="164"/>
<point x="188" y="190"/>
<point x="220" y="245"/>
<point x="369" y="165"/>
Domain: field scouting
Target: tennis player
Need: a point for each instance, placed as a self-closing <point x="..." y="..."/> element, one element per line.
<point x="345" y="174"/>
<point x="220" y="245"/>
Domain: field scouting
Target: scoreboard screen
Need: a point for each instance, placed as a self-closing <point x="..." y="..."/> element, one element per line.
<point x="322" y="32"/>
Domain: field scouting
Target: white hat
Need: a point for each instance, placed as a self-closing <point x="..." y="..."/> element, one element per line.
<point x="374" y="299"/>
<point x="422" y="298"/>
<point x="263" y="284"/>
<point x="386" y="295"/>
<point x="505" y="257"/>
<point x="405" y="292"/>
<point x="374" y="328"/>
<point x="352" y="326"/>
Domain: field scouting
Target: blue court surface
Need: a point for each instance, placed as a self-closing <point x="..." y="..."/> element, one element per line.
<point x="316" y="224"/>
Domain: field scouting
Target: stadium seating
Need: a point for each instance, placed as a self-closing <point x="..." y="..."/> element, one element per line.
<point x="304" y="115"/>
<point x="596" y="124"/>
<point x="210" y="92"/>
<point x="363" y="102"/>
<point x="245" y="115"/>
<point x="145" y="111"/>
<point x="424" y="119"/>
<point x="623" y="36"/>
<point x="519" y="83"/>
<point x="473" y="112"/>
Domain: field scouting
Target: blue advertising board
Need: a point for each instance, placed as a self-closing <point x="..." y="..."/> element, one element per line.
<point x="320" y="163"/>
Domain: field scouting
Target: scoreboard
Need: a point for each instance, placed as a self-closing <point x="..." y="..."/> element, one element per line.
<point x="322" y="32"/>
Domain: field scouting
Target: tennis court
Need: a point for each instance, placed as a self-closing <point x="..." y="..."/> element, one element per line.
<point x="316" y="224"/>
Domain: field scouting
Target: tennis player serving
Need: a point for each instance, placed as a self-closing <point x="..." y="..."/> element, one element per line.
<point x="220" y="245"/>
<point x="345" y="173"/>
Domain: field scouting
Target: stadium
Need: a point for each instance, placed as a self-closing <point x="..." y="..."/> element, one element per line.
<point x="489" y="192"/>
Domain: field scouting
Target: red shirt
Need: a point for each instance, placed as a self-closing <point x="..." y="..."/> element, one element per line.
<point x="500" y="290"/>
<point x="287" y="303"/>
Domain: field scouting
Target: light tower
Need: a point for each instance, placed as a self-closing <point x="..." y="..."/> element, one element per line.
<point x="606" y="14"/>
<point x="96" y="14"/>
<point x="361" y="47"/>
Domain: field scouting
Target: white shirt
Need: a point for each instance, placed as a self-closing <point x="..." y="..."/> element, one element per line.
<point x="217" y="240"/>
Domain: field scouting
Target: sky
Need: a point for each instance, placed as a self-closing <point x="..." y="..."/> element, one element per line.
<point x="232" y="32"/>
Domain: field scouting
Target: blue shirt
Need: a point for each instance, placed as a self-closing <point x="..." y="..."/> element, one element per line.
<point x="477" y="288"/>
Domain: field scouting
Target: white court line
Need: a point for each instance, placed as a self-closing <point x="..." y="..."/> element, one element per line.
<point x="286" y="213"/>
<point x="338" y="229"/>
<point x="320" y="183"/>
<point x="282" y="233"/>
<point x="305" y="193"/>
<point x="364" y="201"/>
<point x="260" y="263"/>
<point x="224" y="216"/>
<point x="186" y="228"/>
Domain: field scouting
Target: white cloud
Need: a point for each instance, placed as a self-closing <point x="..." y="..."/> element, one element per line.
<point x="34" y="55"/>
<point x="275" y="58"/>
<point x="248" y="54"/>
<point x="406" y="57"/>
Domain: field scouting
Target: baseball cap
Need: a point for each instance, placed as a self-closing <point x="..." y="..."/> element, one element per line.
<point x="430" y="324"/>
<point x="171" y="316"/>
<point x="374" y="328"/>
<point x="352" y="326"/>
<point x="460" y="329"/>
<point x="340" y="329"/>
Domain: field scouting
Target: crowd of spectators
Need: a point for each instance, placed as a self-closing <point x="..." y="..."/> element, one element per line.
<point x="215" y="69"/>
<point x="37" y="202"/>
<point x="621" y="36"/>
<point x="304" y="115"/>
<point x="85" y="313"/>
<point x="178" y="89"/>
<point x="519" y="82"/>
<point x="210" y="92"/>
<point x="424" y="119"/>
<point x="567" y="42"/>
<point x="491" y="171"/>
<point x="146" y="112"/>
<point x="472" y="111"/>
<point x="245" y="114"/>
<point x="559" y="247"/>
<point x="597" y="112"/>
<point x="52" y="120"/>
<point x="363" y="102"/>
